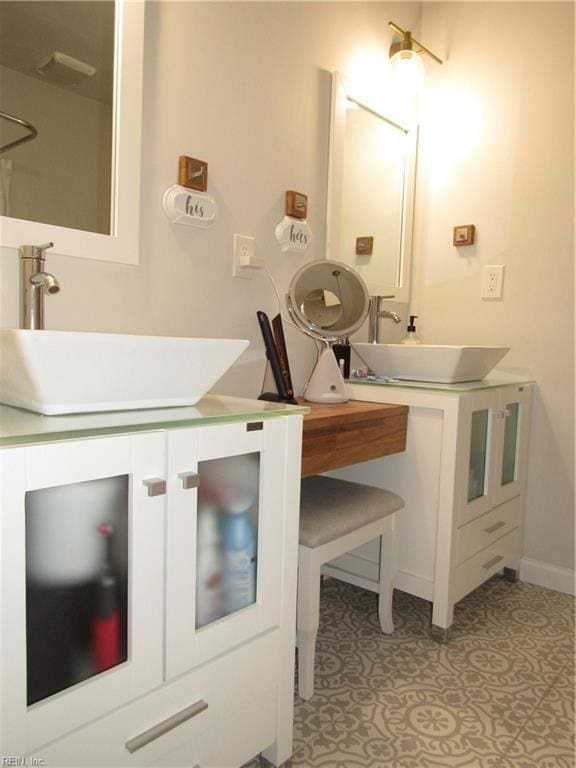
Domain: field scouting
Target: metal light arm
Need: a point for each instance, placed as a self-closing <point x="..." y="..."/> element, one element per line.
<point x="407" y="41"/>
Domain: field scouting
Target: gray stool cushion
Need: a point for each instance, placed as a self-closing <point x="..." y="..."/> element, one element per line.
<point x="331" y="508"/>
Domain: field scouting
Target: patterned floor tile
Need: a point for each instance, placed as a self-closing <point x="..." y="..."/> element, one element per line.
<point x="342" y="609"/>
<point x="496" y="696"/>
<point x="340" y="746"/>
<point x="427" y="726"/>
<point x="548" y="736"/>
<point x="319" y="712"/>
<point x="523" y="611"/>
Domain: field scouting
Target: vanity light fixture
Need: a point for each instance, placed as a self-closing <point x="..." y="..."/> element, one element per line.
<point x="405" y="57"/>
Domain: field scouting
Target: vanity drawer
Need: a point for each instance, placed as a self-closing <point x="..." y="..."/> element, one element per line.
<point x="236" y="739"/>
<point x="241" y="680"/>
<point x="484" y="564"/>
<point x="486" y="529"/>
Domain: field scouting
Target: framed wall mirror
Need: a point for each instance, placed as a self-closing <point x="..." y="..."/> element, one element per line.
<point x="71" y="73"/>
<point x="370" y="193"/>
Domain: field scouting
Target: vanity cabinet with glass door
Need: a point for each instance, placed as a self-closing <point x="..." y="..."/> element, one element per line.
<point x="148" y="594"/>
<point x="463" y="480"/>
<point x="491" y="460"/>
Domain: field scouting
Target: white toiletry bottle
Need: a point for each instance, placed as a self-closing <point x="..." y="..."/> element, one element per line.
<point x="208" y="567"/>
<point x="411" y="335"/>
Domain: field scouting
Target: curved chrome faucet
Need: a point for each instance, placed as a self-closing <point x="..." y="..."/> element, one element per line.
<point x="34" y="283"/>
<point x="375" y="313"/>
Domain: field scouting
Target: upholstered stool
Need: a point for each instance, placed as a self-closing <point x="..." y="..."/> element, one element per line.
<point x="335" y="517"/>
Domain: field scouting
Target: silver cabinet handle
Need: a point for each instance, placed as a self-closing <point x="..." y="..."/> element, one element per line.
<point x="495" y="527"/>
<point x="156" y="486"/>
<point x="189" y="480"/>
<point x="502" y="413"/>
<point x="492" y="562"/>
<point x="165" y="726"/>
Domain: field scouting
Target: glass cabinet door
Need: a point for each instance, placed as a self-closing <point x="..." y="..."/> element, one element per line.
<point x="513" y="415"/>
<point x="76" y="583"/>
<point x="476" y="455"/>
<point x="82" y="582"/>
<point x="477" y="470"/>
<point x="224" y="538"/>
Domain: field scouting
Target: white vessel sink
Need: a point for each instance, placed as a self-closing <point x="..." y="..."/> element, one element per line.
<point x="56" y="372"/>
<point x="430" y="362"/>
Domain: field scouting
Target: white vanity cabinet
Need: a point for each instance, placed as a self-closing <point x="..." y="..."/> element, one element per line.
<point x="148" y="591"/>
<point x="462" y="478"/>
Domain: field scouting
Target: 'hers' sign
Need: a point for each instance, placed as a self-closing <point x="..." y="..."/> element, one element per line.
<point x="293" y="234"/>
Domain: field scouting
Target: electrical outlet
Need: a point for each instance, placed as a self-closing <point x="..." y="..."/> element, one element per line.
<point x="492" y="282"/>
<point x="244" y="255"/>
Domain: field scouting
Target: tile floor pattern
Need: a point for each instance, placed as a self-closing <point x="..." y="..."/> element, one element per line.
<point x="500" y="694"/>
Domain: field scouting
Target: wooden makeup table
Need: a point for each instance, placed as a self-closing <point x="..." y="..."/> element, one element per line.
<point x="338" y="434"/>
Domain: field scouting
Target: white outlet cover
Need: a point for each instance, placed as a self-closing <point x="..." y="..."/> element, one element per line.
<point x="244" y="257"/>
<point x="492" y="281"/>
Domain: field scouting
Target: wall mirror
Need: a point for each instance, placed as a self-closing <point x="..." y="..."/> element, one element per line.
<point x="370" y="193"/>
<point x="70" y="123"/>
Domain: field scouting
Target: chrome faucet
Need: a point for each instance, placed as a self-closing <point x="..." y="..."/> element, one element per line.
<point x="374" y="315"/>
<point x="34" y="283"/>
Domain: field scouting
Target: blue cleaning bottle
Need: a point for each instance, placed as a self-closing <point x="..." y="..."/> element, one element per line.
<point x="239" y="560"/>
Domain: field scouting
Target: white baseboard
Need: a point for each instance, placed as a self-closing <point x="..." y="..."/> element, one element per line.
<point x="548" y="576"/>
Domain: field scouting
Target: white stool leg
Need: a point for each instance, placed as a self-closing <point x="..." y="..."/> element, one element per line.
<point x="388" y="570"/>
<point x="308" y="618"/>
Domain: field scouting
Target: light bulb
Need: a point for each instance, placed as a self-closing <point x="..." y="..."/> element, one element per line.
<point x="408" y="71"/>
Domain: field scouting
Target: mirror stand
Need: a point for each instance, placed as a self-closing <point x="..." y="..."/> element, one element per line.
<point x="326" y="383"/>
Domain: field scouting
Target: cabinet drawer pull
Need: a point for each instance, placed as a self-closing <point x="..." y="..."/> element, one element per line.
<point x="166" y="725"/>
<point x="254" y="426"/>
<point x="189" y="480"/>
<point x="156" y="486"/>
<point x="495" y="527"/>
<point x="492" y="562"/>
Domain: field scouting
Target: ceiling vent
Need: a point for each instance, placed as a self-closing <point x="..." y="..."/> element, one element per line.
<point x="64" y="70"/>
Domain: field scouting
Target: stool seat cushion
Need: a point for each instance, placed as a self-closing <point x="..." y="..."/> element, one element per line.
<point x="332" y="508"/>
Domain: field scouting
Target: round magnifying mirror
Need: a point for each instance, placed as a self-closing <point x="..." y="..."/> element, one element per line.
<point x="328" y="300"/>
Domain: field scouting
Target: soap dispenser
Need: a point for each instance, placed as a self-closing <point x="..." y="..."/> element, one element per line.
<point x="411" y="335"/>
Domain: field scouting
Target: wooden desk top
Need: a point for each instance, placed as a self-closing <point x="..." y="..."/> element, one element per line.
<point x="339" y="434"/>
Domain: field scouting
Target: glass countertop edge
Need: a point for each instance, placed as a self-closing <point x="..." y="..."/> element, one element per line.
<point x="21" y="427"/>
<point x="459" y="387"/>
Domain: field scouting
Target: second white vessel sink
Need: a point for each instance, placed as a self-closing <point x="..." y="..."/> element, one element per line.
<point x="445" y="364"/>
<point x="57" y="372"/>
